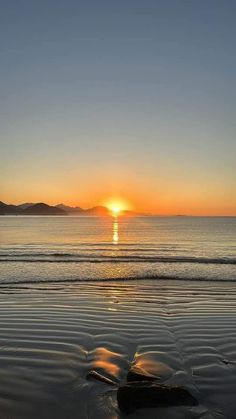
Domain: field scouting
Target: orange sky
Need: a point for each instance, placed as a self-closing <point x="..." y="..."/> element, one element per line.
<point x="138" y="194"/>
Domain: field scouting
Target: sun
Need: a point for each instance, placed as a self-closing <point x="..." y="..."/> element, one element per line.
<point x="115" y="210"/>
<point x="116" y="206"/>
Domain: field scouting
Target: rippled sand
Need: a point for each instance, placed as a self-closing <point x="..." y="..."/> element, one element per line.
<point x="52" y="335"/>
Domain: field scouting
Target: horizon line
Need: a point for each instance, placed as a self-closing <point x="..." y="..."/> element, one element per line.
<point x="136" y="213"/>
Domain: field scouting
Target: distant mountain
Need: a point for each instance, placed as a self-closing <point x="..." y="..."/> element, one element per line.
<point x="9" y="209"/>
<point x="25" y="205"/>
<point x="128" y="213"/>
<point x="43" y="209"/>
<point x="60" y="209"/>
<point x="94" y="211"/>
<point x="97" y="211"/>
<point x="70" y="210"/>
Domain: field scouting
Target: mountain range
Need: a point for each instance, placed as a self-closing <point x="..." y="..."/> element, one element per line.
<point x="41" y="208"/>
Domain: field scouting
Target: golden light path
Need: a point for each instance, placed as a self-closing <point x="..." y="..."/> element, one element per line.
<point x="115" y="237"/>
<point x="117" y="207"/>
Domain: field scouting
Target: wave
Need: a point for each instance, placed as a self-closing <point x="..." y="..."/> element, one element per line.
<point x="152" y="277"/>
<point x="72" y="258"/>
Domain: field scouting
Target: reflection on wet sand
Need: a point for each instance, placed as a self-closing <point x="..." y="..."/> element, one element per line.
<point x="148" y="363"/>
<point x="106" y="361"/>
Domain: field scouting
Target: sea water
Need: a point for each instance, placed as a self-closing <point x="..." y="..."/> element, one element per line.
<point x="45" y="249"/>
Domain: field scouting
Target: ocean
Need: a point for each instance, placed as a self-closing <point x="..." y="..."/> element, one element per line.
<point x="48" y="249"/>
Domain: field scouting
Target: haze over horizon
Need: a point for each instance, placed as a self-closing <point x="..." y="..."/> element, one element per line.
<point x="132" y="101"/>
<point x="109" y="206"/>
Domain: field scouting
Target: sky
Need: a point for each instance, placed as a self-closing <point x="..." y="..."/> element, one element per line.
<point x="131" y="99"/>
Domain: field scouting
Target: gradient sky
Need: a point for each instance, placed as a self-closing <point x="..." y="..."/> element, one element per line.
<point x="128" y="98"/>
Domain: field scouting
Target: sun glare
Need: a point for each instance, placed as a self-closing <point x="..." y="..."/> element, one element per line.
<point x="116" y="206"/>
<point x="115" y="210"/>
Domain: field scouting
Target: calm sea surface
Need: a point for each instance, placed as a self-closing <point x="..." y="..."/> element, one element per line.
<point x="39" y="249"/>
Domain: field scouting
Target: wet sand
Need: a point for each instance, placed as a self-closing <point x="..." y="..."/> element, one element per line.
<point x="52" y="335"/>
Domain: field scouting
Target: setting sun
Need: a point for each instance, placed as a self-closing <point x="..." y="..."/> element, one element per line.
<point x="116" y="206"/>
<point x="115" y="210"/>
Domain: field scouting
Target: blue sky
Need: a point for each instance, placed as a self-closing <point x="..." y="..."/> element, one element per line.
<point x="133" y="98"/>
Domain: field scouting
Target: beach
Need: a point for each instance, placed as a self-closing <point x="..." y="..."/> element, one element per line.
<point x="117" y="210"/>
<point x="52" y="335"/>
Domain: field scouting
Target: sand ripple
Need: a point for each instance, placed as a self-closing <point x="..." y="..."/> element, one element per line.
<point x="51" y="336"/>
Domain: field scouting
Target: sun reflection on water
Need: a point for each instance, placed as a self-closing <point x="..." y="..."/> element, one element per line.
<point x="115" y="229"/>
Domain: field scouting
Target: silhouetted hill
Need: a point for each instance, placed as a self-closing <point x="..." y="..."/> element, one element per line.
<point x="60" y="209"/>
<point x="25" y="205"/>
<point x="97" y="211"/>
<point x="128" y="213"/>
<point x="43" y="209"/>
<point x="94" y="211"/>
<point x="9" y="209"/>
<point x="70" y="210"/>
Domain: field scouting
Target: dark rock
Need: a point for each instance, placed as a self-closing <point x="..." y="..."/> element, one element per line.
<point x="99" y="377"/>
<point x="146" y="394"/>
<point x="139" y="374"/>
